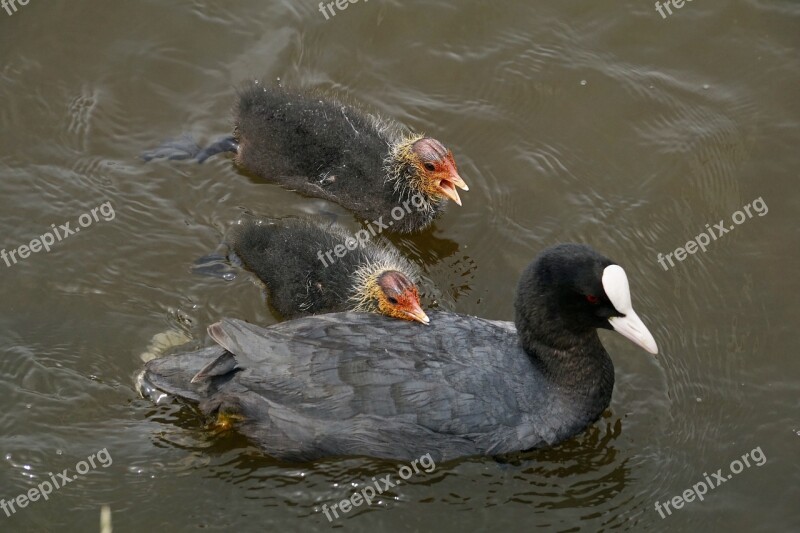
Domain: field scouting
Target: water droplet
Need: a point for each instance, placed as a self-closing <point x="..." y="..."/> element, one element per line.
<point x="230" y="276"/>
<point x="706" y="86"/>
<point x="583" y="82"/>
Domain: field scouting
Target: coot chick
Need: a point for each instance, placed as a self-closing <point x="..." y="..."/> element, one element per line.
<point x="299" y="263"/>
<point x="323" y="148"/>
<point x="358" y="384"/>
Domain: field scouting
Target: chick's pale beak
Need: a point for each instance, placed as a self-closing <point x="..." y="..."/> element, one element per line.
<point x="415" y="312"/>
<point x="448" y="186"/>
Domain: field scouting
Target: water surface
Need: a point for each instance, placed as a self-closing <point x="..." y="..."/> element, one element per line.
<point x="571" y="121"/>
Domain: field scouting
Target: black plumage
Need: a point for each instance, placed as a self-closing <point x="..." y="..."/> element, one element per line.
<point x="323" y="148"/>
<point x="310" y="268"/>
<point x="320" y="147"/>
<point x="359" y="384"/>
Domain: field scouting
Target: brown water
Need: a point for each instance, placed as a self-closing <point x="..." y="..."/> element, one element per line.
<point x="571" y="121"/>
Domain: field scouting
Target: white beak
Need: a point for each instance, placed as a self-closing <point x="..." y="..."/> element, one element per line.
<point x="632" y="327"/>
<point x="615" y="283"/>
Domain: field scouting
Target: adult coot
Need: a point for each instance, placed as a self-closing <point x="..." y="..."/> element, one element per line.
<point x="310" y="268"/>
<point x="359" y="384"/>
<point x="326" y="149"/>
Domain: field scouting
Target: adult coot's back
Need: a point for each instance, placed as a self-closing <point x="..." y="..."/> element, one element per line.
<point x="361" y="384"/>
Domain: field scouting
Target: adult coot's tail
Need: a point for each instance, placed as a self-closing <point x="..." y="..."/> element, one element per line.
<point x="173" y="375"/>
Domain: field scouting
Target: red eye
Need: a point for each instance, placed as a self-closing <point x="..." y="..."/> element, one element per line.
<point x="592" y="299"/>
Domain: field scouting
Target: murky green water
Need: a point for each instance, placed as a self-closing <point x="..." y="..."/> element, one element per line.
<point x="571" y="121"/>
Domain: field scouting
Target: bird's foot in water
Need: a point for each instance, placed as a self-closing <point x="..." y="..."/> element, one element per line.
<point x="228" y="144"/>
<point x="179" y="148"/>
<point x="215" y="265"/>
<point x="330" y="216"/>
<point x="225" y="422"/>
<point x="185" y="147"/>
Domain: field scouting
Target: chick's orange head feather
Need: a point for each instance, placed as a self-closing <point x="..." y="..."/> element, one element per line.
<point x="438" y="167"/>
<point x="399" y="297"/>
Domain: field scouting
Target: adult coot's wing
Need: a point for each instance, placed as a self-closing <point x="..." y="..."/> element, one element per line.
<point x="333" y="377"/>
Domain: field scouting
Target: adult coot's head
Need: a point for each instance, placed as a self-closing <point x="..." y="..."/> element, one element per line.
<point x="569" y="292"/>
<point x="425" y="167"/>
<point x="389" y="292"/>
